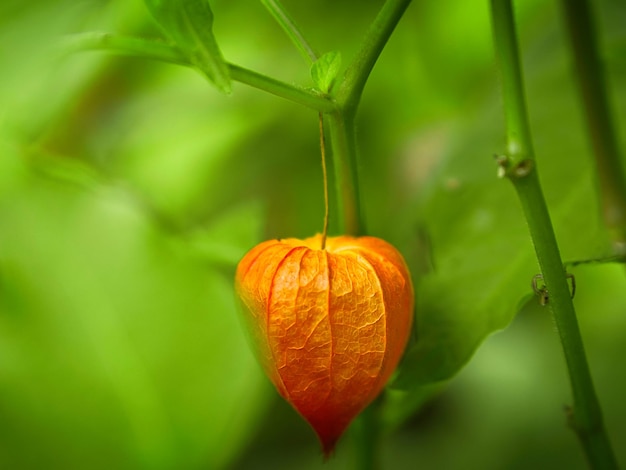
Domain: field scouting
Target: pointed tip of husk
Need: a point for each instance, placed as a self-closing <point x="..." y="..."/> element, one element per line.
<point x="328" y="439"/>
<point x="328" y="447"/>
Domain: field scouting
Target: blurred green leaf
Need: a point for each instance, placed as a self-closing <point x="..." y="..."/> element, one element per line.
<point x="189" y="23"/>
<point x="179" y="160"/>
<point x="325" y="70"/>
<point x="105" y="330"/>
<point x="227" y="238"/>
<point x="12" y="168"/>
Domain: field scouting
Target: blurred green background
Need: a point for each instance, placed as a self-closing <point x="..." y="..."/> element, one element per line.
<point x="130" y="189"/>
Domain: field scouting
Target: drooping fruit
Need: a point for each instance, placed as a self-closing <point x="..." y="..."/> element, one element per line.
<point x="329" y="325"/>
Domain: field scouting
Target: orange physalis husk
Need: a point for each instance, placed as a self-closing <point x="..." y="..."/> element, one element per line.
<point x="329" y="326"/>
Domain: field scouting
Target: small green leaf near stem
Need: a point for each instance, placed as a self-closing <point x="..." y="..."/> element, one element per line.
<point x="586" y="415"/>
<point x="325" y="70"/>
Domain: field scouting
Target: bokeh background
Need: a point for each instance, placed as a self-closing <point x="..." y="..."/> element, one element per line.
<point x="129" y="189"/>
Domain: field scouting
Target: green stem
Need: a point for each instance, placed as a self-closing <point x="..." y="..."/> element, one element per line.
<point x="343" y="143"/>
<point x="142" y="48"/>
<point x="341" y="123"/>
<point x="312" y="99"/>
<point x="593" y="88"/>
<point x="284" y="19"/>
<point x="586" y="415"/>
<point x="365" y="433"/>
<point x="519" y="143"/>
<point x="356" y="75"/>
<point x="518" y="164"/>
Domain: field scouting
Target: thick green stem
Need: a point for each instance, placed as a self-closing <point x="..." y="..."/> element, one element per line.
<point x="142" y="48"/>
<point x="341" y="123"/>
<point x="593" y="87"/>
<point x="519" y="165"/>
<point x="343" y="142"/>
<point x="351" y="88"/>
<point x="518" y="142"/>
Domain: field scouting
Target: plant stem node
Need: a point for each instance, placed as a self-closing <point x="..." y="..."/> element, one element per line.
<point x="508" y="167"/>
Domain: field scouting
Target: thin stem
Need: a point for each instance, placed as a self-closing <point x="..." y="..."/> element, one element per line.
<point x="378" y="34"/>
<point x="142" y="48"/>
<point x="586" y="415"/>
<point x="325" y="178"/>
<point x="296" y="94"/>
<point x="290" y="27"/>
<point x="593" y="88"/>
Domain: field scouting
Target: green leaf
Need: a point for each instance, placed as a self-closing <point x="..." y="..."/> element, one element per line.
<point x="129" y="349"/>
<point x="180" y="160"/>
<point x="325" y="70"/>
<point x="229" y="236"/>
<point x="189" y="24"/>
<point x="483" y="257"/>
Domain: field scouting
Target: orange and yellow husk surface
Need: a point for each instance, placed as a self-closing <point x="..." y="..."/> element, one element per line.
<point x="329" y="326"/>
